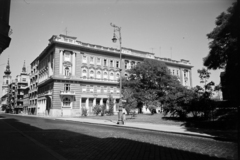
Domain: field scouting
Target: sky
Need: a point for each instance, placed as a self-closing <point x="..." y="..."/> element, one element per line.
<point x="174" y="29"/>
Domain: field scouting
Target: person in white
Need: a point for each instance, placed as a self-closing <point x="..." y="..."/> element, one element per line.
<point x="124" y="113"/>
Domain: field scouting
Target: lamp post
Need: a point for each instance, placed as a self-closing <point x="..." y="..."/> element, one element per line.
<point x="114" y="39"/>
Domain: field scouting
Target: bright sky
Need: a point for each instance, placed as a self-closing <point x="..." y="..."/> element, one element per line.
<point x="148" y="25"/>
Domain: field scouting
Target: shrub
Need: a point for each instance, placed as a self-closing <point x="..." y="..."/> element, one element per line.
<point x="84" y="112"/>
<point x="152" y="109"/>
<point x="103" y="108"/>
<point x="107" y="112"/>
<point x="97" y="109"/>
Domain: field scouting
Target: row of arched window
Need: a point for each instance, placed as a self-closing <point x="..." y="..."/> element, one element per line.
<point x="100" y="74"/>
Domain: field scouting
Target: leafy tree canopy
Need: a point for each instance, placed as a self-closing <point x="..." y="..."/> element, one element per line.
<point x="224" y="39"/>
<point x="150" y="81"/>
<point x="224" y="50"/>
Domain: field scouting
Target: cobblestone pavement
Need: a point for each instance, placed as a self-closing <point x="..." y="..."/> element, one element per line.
<point x="84" y="141"/>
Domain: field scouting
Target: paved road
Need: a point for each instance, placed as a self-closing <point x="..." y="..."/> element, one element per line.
<point x="74" y="140"/>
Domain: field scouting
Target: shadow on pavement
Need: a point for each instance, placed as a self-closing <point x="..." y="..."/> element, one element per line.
<point x="224" y="131"/>
<point x="72" y="145"/>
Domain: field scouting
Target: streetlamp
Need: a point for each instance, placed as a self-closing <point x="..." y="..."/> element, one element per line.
<point x="114" y="39"/>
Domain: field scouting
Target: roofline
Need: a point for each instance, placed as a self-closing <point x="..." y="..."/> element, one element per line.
<point x="54" y="42"/>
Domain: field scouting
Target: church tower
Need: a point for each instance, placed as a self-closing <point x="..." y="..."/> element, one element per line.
<point x="6" y="79"/>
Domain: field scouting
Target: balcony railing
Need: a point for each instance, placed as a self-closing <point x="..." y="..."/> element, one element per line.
<point x="99" y="79"/>
<point x="67" y="93"/>
<point x="19" y="100"/>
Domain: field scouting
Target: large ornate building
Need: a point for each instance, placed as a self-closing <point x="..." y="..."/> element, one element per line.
<point x="21" y="83"/>
<point x="7" y="78"/>
<point x="70" y="75"/>
<point x="13" y="90"/>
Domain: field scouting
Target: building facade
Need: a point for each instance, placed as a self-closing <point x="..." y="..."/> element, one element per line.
<point x="33" y="88"/>
<point x="7" y="78"/>
<point x="11" y="96"/>
<point x="72" y="75"/>
<point x="5" y="86"/>
<point x="21" y="84"/>
<point x="26" y="101"/>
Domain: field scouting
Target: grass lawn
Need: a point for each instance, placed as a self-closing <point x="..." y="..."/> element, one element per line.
<point x="142" y="118"/>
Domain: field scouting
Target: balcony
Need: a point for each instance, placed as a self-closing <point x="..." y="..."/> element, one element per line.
<point x="19" y="100"/>
<point x="67" y="93"/>
<point x="106" y="80"/>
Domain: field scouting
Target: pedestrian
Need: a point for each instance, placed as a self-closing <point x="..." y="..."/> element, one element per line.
<point x="124" y="112"/>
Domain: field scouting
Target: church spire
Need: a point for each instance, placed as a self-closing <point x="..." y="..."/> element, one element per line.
<point x="7" y="71"/>
<point x="24" y="68"/>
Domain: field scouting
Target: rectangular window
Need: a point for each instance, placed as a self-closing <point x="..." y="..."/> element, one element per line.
<point x="92" y="60"/>
<point x="105" y="62"/>
<point x="84" y="59"/>
<point x="66" y="102"/>
<point x="84" y="89"/>
<point x="91" y="89"/>
<point x="66" y="87"/>
<point x="111" y="63"/>
<point x="99" y="61"/>
<point x="105" y="89"/>
<point x="98" y="89"/>
<point x="111" y="90"/>
<point x="117" y="64"/>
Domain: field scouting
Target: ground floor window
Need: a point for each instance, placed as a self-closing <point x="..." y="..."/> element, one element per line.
<point x="66" y="102"/>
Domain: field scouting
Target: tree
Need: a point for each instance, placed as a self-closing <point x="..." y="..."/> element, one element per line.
<point x="178" y="100"/>
<point x="202" y="102"/>
<point x="149" y="81"/>
<point x="224" y="50"/>
<point x="131" y="102"/>
<point x="204" y="75"/>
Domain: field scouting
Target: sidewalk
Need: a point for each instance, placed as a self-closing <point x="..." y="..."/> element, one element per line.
<point x="146" y="126"/>
<point x="137" y="125"/>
